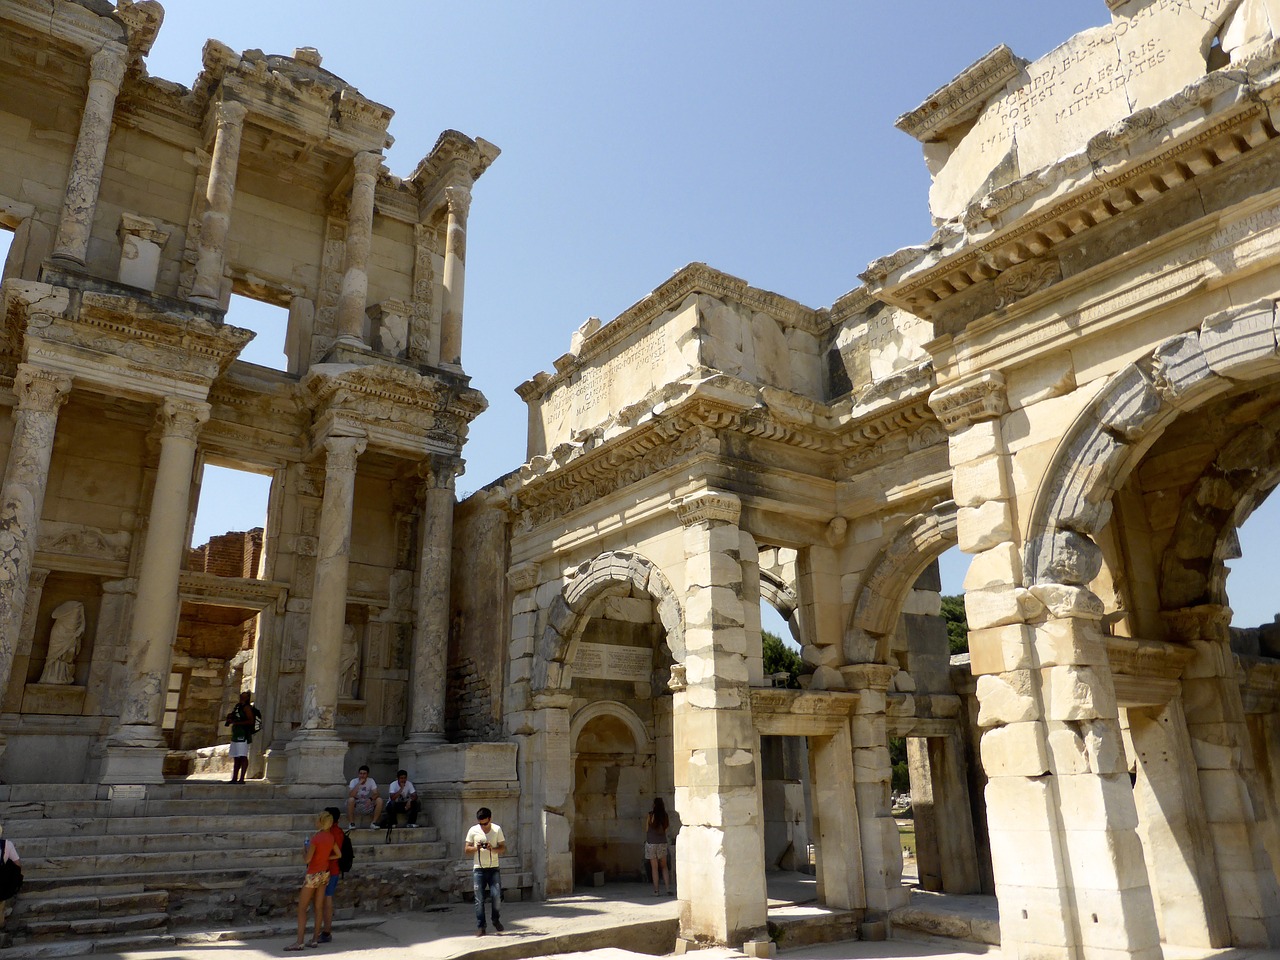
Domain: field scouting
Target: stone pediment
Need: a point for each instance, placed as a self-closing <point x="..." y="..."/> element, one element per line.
<point x="1003" y="119"/>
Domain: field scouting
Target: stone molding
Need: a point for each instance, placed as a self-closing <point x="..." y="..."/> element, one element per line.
<point x="132" y="225"/>
<point x="963" y="98"/>
<point x="707" y="506"/>
<point x="980" y="398"/>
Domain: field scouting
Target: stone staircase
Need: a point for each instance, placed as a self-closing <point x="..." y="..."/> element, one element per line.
<point x="113" y="868"/>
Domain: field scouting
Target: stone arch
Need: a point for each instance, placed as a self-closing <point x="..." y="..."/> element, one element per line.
<point x="588" y="582"/>
<point x="619" y="711"/>
<point x="890" y="577"/>
<point x="1129" y="412"/>
<point x="1245" y="470"/>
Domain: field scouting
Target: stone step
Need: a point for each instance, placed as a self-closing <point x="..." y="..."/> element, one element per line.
<point x="61" y="928"/>
<point x="33" y="906"/>
<point x="212" y="837"/>
<point x="67" y="947"/>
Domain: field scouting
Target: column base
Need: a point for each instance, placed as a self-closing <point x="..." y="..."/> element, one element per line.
<point x="275" y="762"/>
<point x="132" y="764"/>
<point x="316" y="756"/>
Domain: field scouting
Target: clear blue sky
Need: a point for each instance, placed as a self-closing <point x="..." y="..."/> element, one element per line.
<point x="637" y="137"/>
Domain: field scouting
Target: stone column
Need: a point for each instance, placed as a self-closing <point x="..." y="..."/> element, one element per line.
<point x="220" y="194"/>
<point x="40" y="396"/>
<point x="872" y="785"/>
<point x="135" y="750"/>
<point x="721" y="850"/>
<point x="106" y="73"/>
<point x="1224" y="766"/>
<point x="455" y="261"/>
<point x="431" y="627"/>
<point x="355" y="276"/>
<point x="946" y="855"/>
<point x="315" y="753"/>
<point x="835" y="821"/>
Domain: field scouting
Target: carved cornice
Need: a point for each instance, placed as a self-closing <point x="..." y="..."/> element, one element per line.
<point x="524" y="576"/>
<point x="963" y="98"/>
<point x="981" y="398"/>
<point x="920" y="278"/>
<point x="707" y="506"/>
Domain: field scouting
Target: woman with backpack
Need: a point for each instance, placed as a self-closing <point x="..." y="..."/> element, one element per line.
<point x="244" y="721"/>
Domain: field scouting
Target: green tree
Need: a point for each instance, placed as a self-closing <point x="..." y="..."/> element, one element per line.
<point x="901" y="782"/>
<point x="779" y="658"/>
<point x="957" y="623"/>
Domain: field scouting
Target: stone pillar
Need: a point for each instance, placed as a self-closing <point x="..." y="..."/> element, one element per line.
<point x="1175" y="832"/>
<point x="315" y="753"/>
<point x="818" y="586"/>
<point x="721" y="850"/>
<point x="355" y="276"/>
<point x="946" y="855"/>
<point x="1224" y="766"/>
<point x="135" y="750"/>
<point x="40" y="396"/>
<point x="220" y="194"/>
<point x="431" y="627"/>
<point x="106" y="73"/>
<point x="546" y="794"/>
<point x="455" y="261"/>
<point x="835" y="822"/>
<point x="872" y="786"/>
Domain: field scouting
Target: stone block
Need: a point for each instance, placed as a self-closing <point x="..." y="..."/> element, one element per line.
<point x="1000" y="649"/>
<point x="1087" y="800"/>
<point x="1062" y="601"/>
<point x="1048" y="377"/>
<point x="981" y="528"/>
<point x="998" y="565"/>
<point x="1078" y="693"/>
<point x="1018" y="749"/>
<point x="1109" y="860"/>
<point x="1034" y="919"/>
<point x="1007" y="698"/>
<point x="1180" y="369"/>
<point x="1235" y="340"/>
<point x="1225" y="797"/>
<point x="760" y="948"/>
<point x="1120" y="920"/>
<point x="999" y="606"/>
<point x="975" y="482"/>
<point x="1025" y="858"/>
<point x="1073" y="641"/>
<point x="1088" y="746"/>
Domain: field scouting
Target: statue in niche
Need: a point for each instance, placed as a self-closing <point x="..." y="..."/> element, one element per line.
<point x="349" y="668"/>
<point x="64" y="643"/>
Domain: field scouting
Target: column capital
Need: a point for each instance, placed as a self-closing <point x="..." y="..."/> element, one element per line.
<point x="366" y="165"/>
<point x="40" y="390"/>
<point x="707" y="506"/>
<point x="182" y="418"/>
<point x="979" y="398"/>
<point x="524" y="576"/>
<point x="341" y="453"/>
<point x="108" y="65"/>
<point x="457" y="198"/>
<point x="439" y="472"/>
<point x="229" y="113"/>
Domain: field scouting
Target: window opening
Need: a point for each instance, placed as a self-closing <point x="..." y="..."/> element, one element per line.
<point x="1251" y="581"/>
<point x="231" y="519"/>
<point x="6" y="243"/>
<point x="271" y="324"/>
<point x="952" y="567"/>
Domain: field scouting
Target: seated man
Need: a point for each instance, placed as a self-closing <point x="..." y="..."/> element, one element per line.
<point x="363" y="799"/>
<point x="403" y="799"/>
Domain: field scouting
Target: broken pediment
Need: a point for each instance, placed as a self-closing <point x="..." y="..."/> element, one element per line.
<point x="1004" y="118"/>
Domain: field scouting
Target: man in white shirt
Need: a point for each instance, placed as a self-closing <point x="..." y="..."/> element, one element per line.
<point x="486" y="843"/>
<point x="403" y="799"/>
<point x="362" y="798"/>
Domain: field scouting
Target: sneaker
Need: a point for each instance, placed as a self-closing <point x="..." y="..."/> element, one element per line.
<point x="326" y="938"/>
<point x="350" y="827"/>
<point x="479" y="933"/>
<point x="412" y="826"/>
<point x="374" y="826"/>
<point x="497" y="926"/>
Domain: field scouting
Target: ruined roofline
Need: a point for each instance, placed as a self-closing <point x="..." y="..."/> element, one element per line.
<point x="963" y="99"/>
<point x="693" y="278"/>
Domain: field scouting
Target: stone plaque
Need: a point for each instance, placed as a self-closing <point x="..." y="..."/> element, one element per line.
<point x="606" y="661"/>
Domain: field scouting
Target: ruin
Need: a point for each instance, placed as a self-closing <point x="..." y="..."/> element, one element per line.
<point x="1075" y="380"/>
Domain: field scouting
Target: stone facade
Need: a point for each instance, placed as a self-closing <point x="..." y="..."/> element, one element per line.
<point x="1075" y="380"/>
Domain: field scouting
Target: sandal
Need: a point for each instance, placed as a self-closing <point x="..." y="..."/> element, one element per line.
<point x="311" y="944"/>
<point x="294" y="946"/>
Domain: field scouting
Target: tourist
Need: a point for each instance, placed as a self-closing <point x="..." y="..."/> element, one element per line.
<point x="363" y="799"/>
<point x="335" y="872"/>
<point x="403" y="799"/>
<point x="486" y="842"/>
<point x="10" y="874"/>
<point x="244" y="721"/>
<point x="317" y="852"/>
<point x="655" y="845"/>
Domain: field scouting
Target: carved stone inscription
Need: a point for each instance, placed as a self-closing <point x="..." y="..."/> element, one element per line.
<point x="605" y="661"/>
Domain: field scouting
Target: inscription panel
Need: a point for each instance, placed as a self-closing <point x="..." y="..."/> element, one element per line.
<point x="606" y="661"/>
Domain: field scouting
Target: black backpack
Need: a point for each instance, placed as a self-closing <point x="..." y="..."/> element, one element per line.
<point x="347" y="856"/>
<point x="10" y="878"/>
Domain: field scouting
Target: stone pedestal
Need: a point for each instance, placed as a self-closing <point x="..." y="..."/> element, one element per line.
<point x="316" y="756"/>
<point x="123" y="763"/>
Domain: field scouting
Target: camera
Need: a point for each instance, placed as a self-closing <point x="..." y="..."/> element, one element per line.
<point x="484" y="844"/>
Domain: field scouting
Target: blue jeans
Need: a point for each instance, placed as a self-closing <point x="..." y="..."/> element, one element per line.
<point x="487" y="878"/>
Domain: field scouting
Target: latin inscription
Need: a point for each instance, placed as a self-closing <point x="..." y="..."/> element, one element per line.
<point x="593" y="384"/>
<point x="605" y="661"/>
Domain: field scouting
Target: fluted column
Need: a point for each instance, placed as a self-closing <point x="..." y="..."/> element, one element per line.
<point x="135" y="750"/>
<point x="431" y="629"/>
<point x="315" y="753"/>
<point x="455" y="262"/>
<point x="106" y="73"/>
<point x="220" y="194"/>
<point x="355" y="276"/>
<point x="40" y="396"/>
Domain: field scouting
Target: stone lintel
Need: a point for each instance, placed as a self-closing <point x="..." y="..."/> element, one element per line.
<point x="963" y="98"/>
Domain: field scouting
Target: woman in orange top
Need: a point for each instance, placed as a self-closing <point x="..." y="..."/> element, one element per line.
<point x="317" y="851"/>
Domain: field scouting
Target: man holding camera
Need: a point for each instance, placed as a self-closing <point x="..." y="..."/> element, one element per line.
<point x="486" y="842"/>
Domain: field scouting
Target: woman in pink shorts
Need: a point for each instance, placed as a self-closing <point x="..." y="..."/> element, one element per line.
<point x="317" y="851"/>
